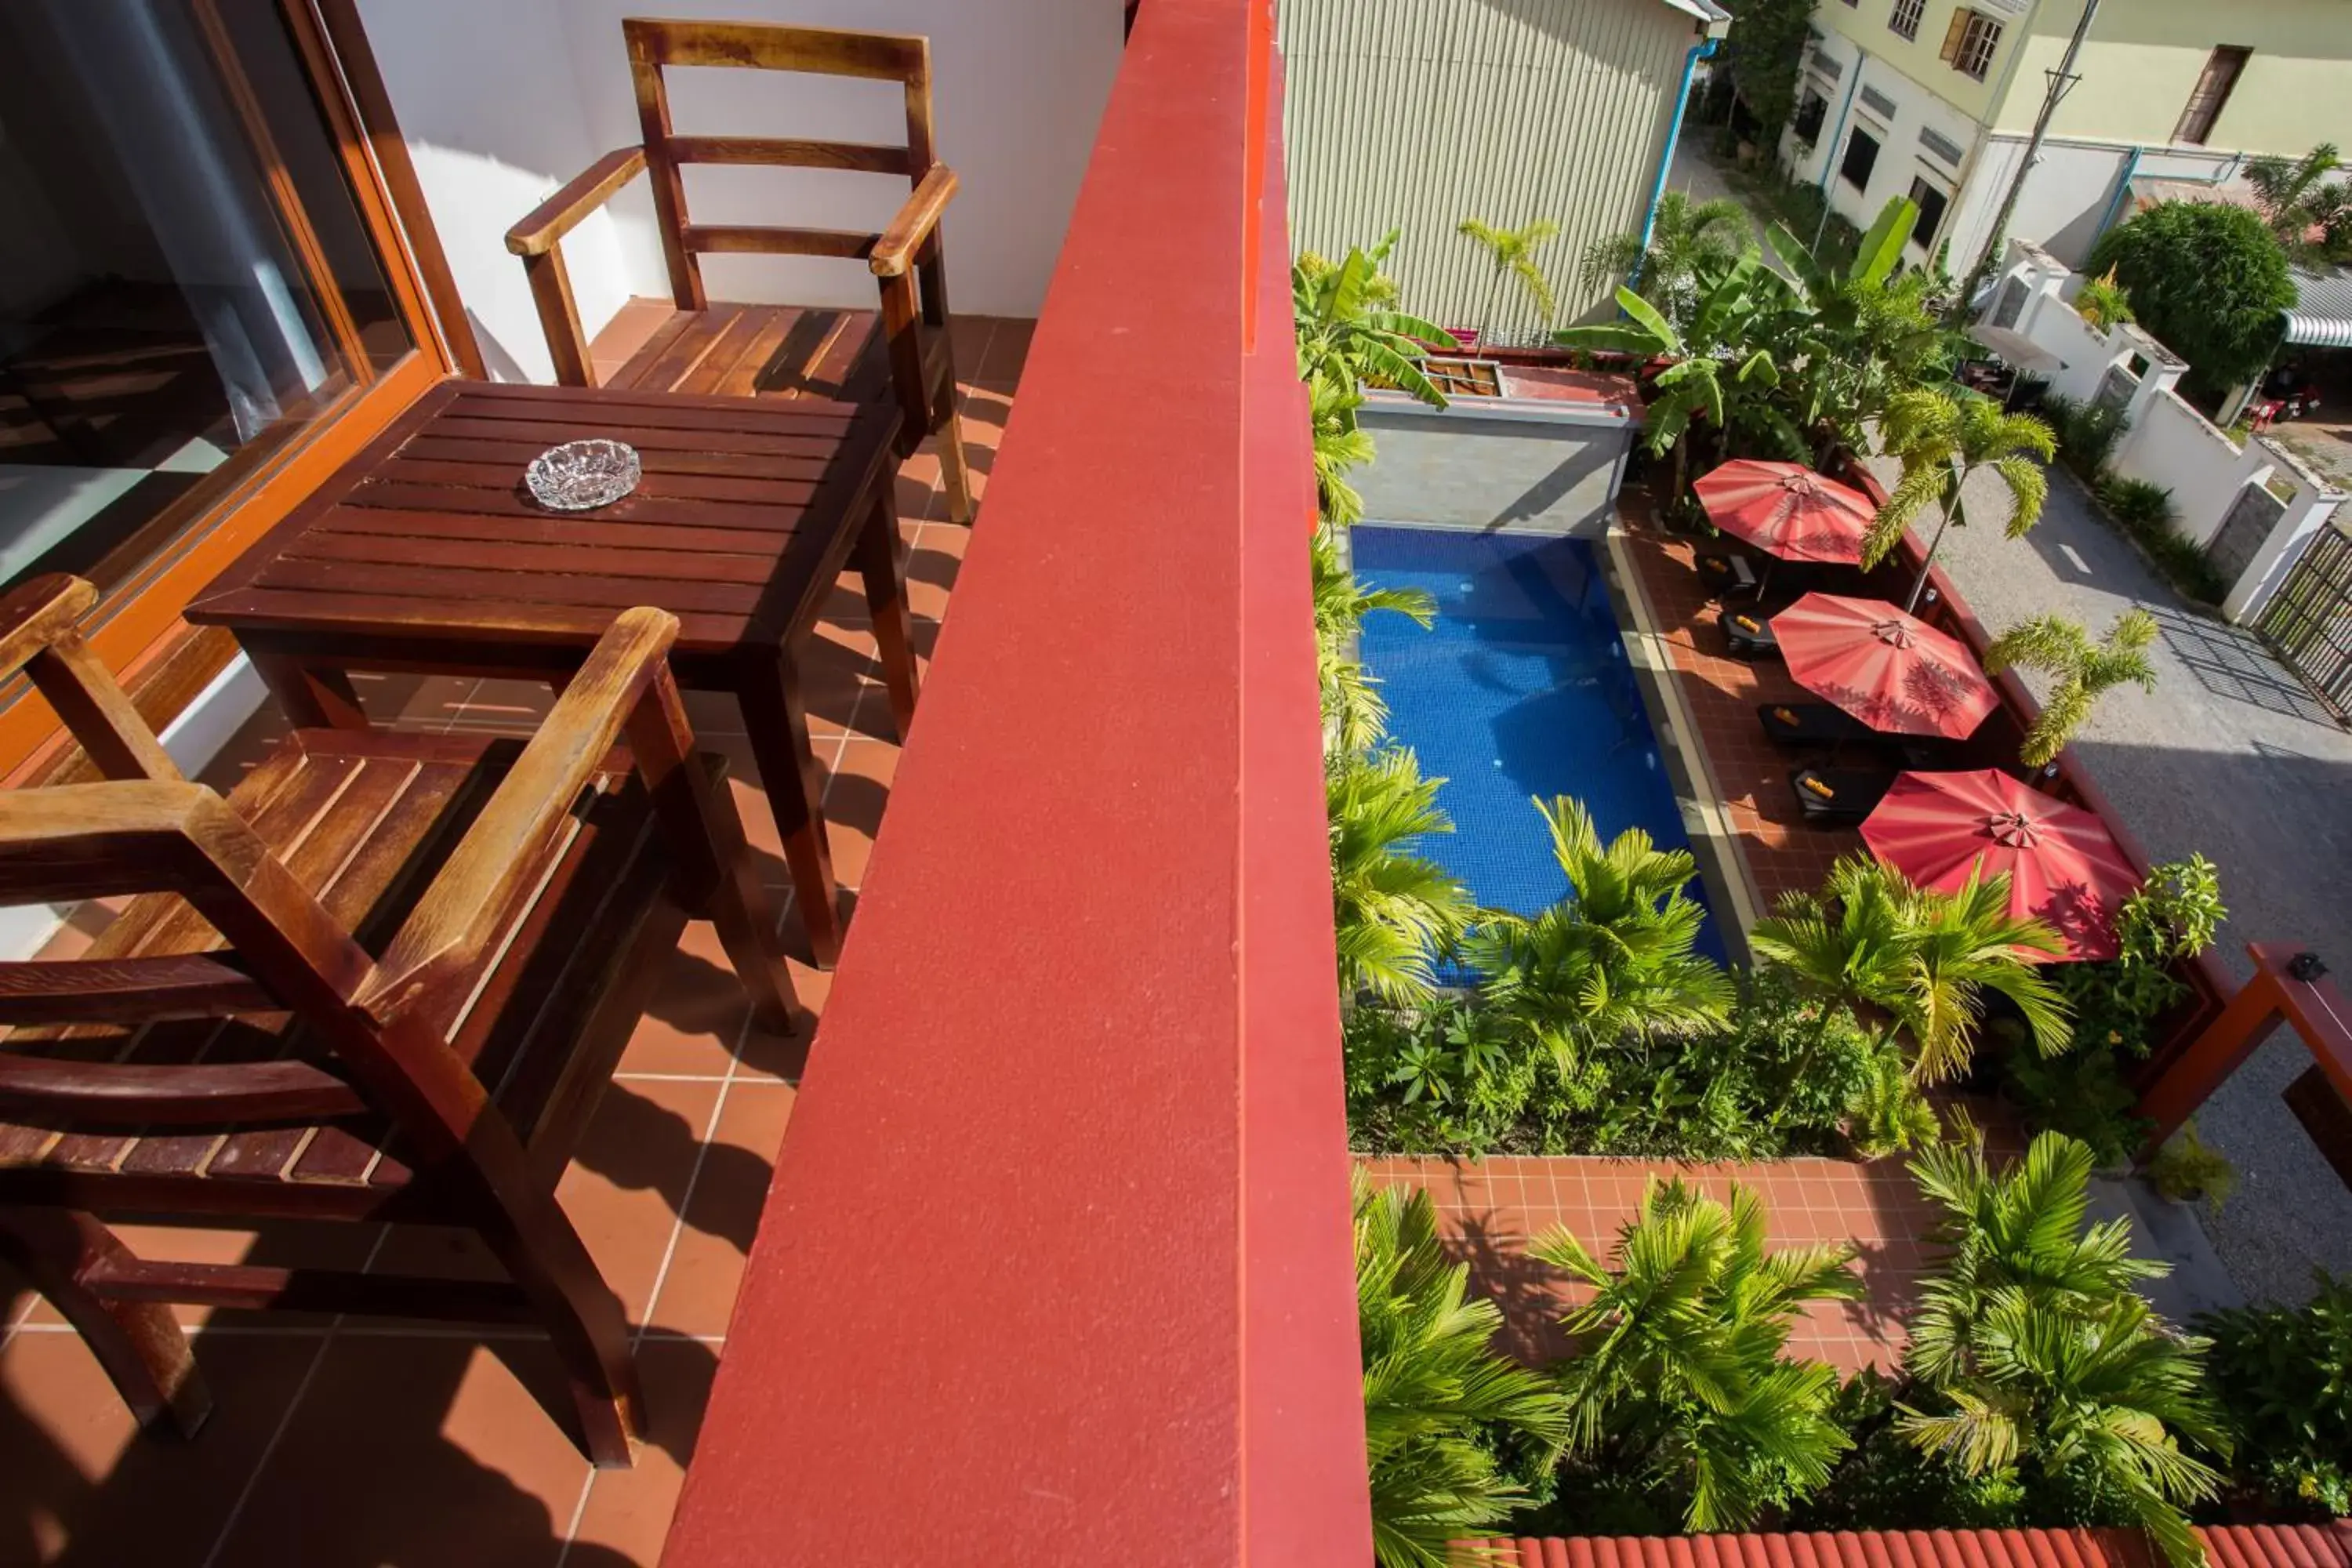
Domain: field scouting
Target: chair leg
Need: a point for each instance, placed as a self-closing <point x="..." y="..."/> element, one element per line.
<point x="141" y="1346"/>
<point x="947" y="430"/>
<point x="546" y="1256"/>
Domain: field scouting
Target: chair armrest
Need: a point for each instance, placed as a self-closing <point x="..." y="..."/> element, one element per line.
<point x="895" y="251"/>
<point x="474" y="894"/>
<point x="37" y="614"/>
<point x="559" y="213"/>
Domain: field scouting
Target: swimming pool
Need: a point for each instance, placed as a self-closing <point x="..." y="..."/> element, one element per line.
<point x="1521" y="689"/>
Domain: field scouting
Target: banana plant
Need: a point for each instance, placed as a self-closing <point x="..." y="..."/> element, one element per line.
<point x="1722" y="371"/>
<point x="1349" y="333"/>
<point x="1860" y="333"/>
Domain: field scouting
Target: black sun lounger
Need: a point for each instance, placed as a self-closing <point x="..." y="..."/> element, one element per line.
<point x="1838" y="797"/>
<point x="1812" y="724"/>
<point x="1749" y="634"/>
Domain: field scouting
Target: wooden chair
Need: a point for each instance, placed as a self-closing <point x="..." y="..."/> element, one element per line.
<point x="386" y="979"/>
<point x="774" y="351"/>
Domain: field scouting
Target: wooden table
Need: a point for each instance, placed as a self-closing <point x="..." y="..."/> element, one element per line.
<point x="426" y="553"/>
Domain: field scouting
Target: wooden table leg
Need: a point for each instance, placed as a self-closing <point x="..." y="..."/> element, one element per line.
<point x="311" y="696"/>
<point x="769" y="690"/>
<point x="881" y="556"/>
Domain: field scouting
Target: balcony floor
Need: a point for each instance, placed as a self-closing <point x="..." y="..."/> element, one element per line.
<point x="361" y="1443"/>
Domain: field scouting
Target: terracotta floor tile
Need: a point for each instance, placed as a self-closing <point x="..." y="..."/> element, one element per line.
<point x="626" y="1185"/>
<point x="628" y="1512"/>
<point x="968" y="339"/>
<point x="88" y="1488"/>
<point x="706" y="1268"/>
<point x="1008" y="350"/>
<point x="854" y="802"/>
<point x="434" y="1450"/>
<point x="696" y="1015"/>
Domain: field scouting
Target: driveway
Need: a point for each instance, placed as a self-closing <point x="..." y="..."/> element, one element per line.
<point x="2231" y="757"/>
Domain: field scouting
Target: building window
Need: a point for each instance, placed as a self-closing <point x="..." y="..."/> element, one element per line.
<point x="1861" y="157"/>
<point x="1905" y="18"/>
<point x="1932" y="202"/>
<point x="2212" y="94"/>
<point x="1809" y="115"/>
<point x="1969" y="42"/>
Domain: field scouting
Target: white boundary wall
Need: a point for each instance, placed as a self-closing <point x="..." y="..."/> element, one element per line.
<point x="2168" y="443"/>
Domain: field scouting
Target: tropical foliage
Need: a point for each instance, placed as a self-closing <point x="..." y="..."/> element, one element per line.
<point x="1923" y="959"/>
<point x="2083" y="670"/>
<point x="2102" y="302"/>
<point x="2207" y="280"/>
<point x="1685" y="238"/>
<point x="1944" y="437"/>
<point x="1763" y="50"/>
<point x="1391" y="908"/>
<point x="1681" y="1376"/>
<point x="2038" y="1365"/>
<point x="2284" y="1375"/>
<point x="1512" y="252"/>
<point x="1351" y="334"/>
<point x="2307" y="204"/>
<point x="1436" y="1396"/>
<point x="1354" y="715"/>
<point x="1861" y="332"/>
<point x="1615" y="959"/>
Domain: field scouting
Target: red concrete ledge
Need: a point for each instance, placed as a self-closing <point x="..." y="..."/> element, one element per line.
<point x="1056" y="1263"/>
<point x="2226" y="1546"/>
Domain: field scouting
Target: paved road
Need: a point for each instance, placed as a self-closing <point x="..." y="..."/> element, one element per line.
<point x="2232" y="758"/>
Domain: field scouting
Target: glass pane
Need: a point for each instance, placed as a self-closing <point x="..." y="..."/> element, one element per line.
<point x="185" y="283"/>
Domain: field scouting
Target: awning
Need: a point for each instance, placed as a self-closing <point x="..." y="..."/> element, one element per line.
<point x="2321" y="316"/>
<point x="2016" y="350"/>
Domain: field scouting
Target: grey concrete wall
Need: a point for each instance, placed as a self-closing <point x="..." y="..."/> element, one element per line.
<point x="1495" y="465"/>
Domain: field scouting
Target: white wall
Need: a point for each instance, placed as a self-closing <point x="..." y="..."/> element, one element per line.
<point x="1901" y="156"/>
<point x="2167" y="443"/>
<point x="503" y="100"/>
<point x="2070" y="198"/>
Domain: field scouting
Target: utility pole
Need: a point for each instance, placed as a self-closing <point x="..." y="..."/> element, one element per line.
<point x="2061" y="81"/>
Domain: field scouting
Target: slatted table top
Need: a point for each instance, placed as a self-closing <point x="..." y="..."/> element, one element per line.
<point x="737" y="527"/>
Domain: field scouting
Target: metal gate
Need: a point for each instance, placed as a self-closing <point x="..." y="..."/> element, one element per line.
<point x="2309" y="620"/>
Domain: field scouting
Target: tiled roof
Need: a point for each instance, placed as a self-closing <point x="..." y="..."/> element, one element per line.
<point x="2228" y="1546"/>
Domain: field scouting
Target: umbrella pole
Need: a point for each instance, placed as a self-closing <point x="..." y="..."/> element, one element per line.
<point x="1772" y="565"/>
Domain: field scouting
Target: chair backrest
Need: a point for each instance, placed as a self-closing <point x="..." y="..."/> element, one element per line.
<point x="147" y="829"/>
<point x="654" y="44"/>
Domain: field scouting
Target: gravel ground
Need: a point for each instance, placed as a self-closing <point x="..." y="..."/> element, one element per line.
<point x="2231" y="757"/>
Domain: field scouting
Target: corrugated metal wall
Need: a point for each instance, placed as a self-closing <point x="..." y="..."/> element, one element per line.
<point x="1415" y="114"/>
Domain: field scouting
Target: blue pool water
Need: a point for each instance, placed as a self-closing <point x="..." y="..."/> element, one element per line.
<point x="1521" y="689"/>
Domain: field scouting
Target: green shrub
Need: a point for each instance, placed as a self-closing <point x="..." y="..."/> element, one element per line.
<point x="2188" y="1167"/>
<point x="2284" y="1377"/>
<point x="2207" y="280"/>
<point x="2139" y="505"/>
<point x="2087" y="434"/>
<point x="2082" y="1095"/>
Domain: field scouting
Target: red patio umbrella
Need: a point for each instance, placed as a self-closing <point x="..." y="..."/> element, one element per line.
<point x="2064" y="867"/>
<point x="1787" y="509"/>
<point x="1893" y="671"/>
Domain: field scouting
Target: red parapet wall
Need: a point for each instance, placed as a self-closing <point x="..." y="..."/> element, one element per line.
<point x="1056" y="1265"/>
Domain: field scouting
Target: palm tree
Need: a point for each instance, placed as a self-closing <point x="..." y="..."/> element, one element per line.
<point x="2085" y="669"/>
<point x="1683" y="237"/>
<point x="1943" y="437"/>
<point x="1615" y="958"/>
<point x="1680" y="1365"/>
<point x="1354" y="716"/>
<point x="2054" y="1372"/>
<point x="1432" y="1386"/>
<point x="1350" y="331"/>
<point x="1512" y="251"/>
<point x="2309" y="212"/>
<point x="1922" y="959"/>
<point x="1391" y="908"/>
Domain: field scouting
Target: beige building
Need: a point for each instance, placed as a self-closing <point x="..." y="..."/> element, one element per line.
<point x="1936" y="99"/>
<point x="1415" y="114"/>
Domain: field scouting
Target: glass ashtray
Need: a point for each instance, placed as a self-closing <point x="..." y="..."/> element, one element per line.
<point x="579" y="476"/>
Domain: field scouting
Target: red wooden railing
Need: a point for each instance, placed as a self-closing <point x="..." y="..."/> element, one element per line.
<point x="1055" y="1267"/>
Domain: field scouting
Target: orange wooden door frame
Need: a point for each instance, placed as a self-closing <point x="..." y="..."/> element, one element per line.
<point x="2315" y="1008"/>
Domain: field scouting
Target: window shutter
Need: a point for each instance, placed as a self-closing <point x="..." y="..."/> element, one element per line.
<point x="1954" y="33"/>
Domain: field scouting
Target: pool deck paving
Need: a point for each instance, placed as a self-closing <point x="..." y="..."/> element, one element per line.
<point x="1745" y="772"/>
<point x="2231" y="757"/>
